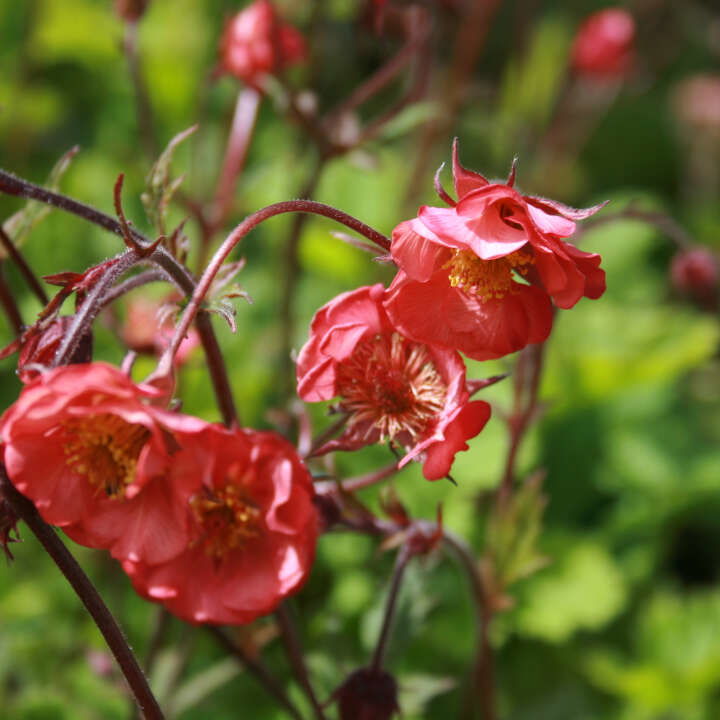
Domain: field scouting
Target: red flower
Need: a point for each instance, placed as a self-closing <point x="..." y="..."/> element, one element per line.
<point x="256" y="43"/>
<point x="391" y="388"/>
<point x="367" y="694"/>
<point x="253" y="529"/>
<point x="85" y="446"/>
<point x="478" y="276"/>
<point x="603" y="46"/>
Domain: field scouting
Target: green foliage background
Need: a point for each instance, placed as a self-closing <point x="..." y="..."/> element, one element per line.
<point x="624" y="622"/>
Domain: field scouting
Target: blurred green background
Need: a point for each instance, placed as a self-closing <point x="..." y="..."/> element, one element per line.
<point x="624" y="622"/>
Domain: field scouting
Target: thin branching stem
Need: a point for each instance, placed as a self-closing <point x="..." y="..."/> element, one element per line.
<point x="89" y="596"/>
<point x="16" y="256"/>
<point x="294" y="652"/>
<point x="305" y="206"/>
<point x="401" y="561"/>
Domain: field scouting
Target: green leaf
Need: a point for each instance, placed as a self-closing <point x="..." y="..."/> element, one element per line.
<point x="160" y="186"/>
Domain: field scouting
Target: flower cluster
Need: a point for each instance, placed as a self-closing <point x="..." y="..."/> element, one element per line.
<point x="480" y="277"/>
<point x="216" y="524"/>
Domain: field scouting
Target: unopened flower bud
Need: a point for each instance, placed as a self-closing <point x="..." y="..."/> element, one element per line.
<point x="695" y="274"/>
<point x="40" y="347"/>
<point x="367" y="694"/>
<point x="131" y="10"/>
<point x="604" y="45"/>
<point x="256" y="42"/>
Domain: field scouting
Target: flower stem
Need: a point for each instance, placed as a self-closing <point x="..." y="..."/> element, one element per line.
<point x="484" y="675"/>
<point x="23" y="267"/>
<point x="12" y="185"/>
<point x="528" y="372"/>
<point x="9" y="305"/>
<point x="89" y="596"/>
<point x="257" y="669"/>
<point x="401" y="562"/>
<point x="294" y="652"/>
<point x="251" y="221"/>
<point x="246" y="110"/>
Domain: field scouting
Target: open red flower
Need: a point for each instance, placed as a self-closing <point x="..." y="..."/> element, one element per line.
<point x="391" y="388"/>
<point x="478" y="276"/>
<point x="256" y="43"/>
<point x="253" y="529"/>
<point x="85" y="446"/>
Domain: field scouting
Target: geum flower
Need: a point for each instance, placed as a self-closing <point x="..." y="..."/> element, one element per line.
<point x="391" y="388"/>
<point x="84" y="444"/>
<point x="478" y="276"/>
<point x="253" y="529"/>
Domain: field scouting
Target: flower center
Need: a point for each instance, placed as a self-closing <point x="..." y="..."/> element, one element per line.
<point x="487" y="279"/>
<point x="227" y="517"/>
<point x="105" y="449"/>
<point x="391" y="384"/>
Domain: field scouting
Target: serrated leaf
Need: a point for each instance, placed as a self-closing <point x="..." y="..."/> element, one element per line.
<point x="19" y="225"/>
<point x="160" y="186"/>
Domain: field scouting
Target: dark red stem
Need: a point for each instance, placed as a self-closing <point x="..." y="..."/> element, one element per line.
<point x="401" y="562"/>
<point x="295" y="655"/>
<point x="16" y="256"/>
<point x="89" y="596"/>
<point x="304" y="206"/>
<point x="257" y="669"/>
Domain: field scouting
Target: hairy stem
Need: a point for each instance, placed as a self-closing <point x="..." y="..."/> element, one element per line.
<point x="305" y="206"/>
<point x="89" y="596"/>
<point x="12" y="185"/>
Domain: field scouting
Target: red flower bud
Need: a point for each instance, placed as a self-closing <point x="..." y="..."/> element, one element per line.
<point x="367" y="694"/>
<point x="604" y="46"/>
<point x="40" y="347"/>
<point x="256" y="43"/>
<point x="695" y="274"/>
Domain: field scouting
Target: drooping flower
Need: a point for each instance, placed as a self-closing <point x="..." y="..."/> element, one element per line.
<point x="252" y="529"/>
<point x="478" y="275"/>
<point x="604" y="44"/>
<point x="391" y="388"/>
<point x="83" y="443"/>
<point x="256" y="42"/>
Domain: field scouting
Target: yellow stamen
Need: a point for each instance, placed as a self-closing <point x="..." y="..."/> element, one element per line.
<point x="105" y="449"/>
<point x="227" y="518"/>
<point x="487" y="279"/>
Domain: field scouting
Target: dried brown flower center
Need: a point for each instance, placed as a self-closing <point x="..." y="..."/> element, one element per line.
<point x="487" y="279"/>
<point x="391" y="384"/>
<point x="105" y="449"/>
<point x="226" y="516"/>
